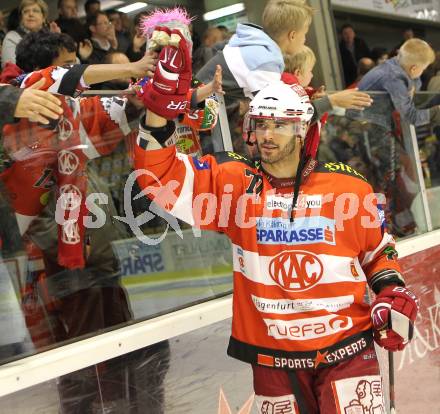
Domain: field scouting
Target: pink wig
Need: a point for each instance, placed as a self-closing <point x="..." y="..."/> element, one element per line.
<point x="172" y="18"/>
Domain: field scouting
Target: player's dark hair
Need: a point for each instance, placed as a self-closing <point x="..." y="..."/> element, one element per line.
<point x="38" y="50"/>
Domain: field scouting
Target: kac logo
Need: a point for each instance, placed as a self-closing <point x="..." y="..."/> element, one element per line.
<point x="65" y="129"/>
<point x="70" y="232"/>
<point x="296" y="270"/>
<point x="70" y="197"/>
<point x="67" y="162"/>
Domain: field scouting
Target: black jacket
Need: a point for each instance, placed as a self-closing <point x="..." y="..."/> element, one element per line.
<point x="98" y="55"/>
<point x="349" y="64"/>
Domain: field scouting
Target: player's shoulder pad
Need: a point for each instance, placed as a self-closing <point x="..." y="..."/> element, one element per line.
<point x="340" y="168"/>
<point x="229" y="156"/>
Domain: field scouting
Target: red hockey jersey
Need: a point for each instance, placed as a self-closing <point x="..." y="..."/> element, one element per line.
<point x="299" y="287"/>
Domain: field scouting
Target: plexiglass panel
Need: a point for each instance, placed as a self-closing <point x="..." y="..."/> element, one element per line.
<point x="129" y="260"/>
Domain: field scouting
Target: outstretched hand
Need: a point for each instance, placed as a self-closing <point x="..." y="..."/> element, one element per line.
<point x="85" y="49"/>
<point x="145" y="66"/>
<point x="319" y="93"/>
<point x="217" y="82"/>
<point x="351" y="99"/>
<point x="38" y="106"/>
<point x="215" y="86"/>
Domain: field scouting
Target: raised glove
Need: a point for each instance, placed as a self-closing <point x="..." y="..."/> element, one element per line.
<point x="166" y="94"/>
<point x="393" y="314"/>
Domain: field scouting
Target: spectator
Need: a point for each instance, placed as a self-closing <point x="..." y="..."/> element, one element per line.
<point x="379" y="55"/>
<point x="352" y="48"/>
<point x="103" y="37"/>
<point x="121" y="34"/>
<point x="225" y="32"/>
<point x="2" y="27"/>
<point x="221" y="45"/>
<point x="301" y="66"/>
<point x="13" y="20"/>
<point x="92" y="7"/>
<point x="94" y="293"/>
<point x="299" y="70"/>
<point x="68" y="20"/>
<point x="434" y="82"/>
<point x="364" y="66"/>
<point x="85" y="301"/>
<point x="205" y="51"/>
<point x="253" y="57"/>
<point x="137" y="46"/>
<point x="40" y="50"/>
<point x="399" y="77"/>
<point x="33" y="14"/>
<point x="94" y="114"/>
<point x="407" y="34"/>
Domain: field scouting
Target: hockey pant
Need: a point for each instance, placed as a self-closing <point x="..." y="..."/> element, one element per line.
<point x="353" y="386"/>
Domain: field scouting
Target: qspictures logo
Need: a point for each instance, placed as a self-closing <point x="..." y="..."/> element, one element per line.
<point x="202" y="208"/>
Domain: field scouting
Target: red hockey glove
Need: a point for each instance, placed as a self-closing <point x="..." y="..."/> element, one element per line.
<point x="393" y="314"/>
<point x="166" y="94"/>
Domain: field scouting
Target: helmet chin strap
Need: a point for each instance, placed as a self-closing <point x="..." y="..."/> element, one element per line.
<point x="303" y="158"/>
<point x="248" y="139"/>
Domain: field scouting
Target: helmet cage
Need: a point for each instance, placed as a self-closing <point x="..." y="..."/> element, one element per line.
<point x="299" y="127"/>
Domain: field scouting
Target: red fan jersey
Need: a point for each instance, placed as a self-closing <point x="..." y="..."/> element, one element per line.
<point x="91" y="127"/>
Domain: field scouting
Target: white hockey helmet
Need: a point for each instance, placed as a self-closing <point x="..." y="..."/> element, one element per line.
<point x="279" y="101"/>
<point x="282" y="101"/>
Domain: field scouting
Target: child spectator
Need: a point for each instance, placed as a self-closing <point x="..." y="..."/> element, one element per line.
<point x="299" y="70"/>
<point x="399" y="77"/>
<point x="253" y="57"/>
<point x="300" y="65"/>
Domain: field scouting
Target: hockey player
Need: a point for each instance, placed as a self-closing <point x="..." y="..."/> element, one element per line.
<point x="301" y="261"/>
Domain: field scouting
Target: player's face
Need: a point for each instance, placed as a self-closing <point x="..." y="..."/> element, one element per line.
<point x="297" y="39"/>
<point x="64" y="58"/>
<point x="275" y="140"/>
